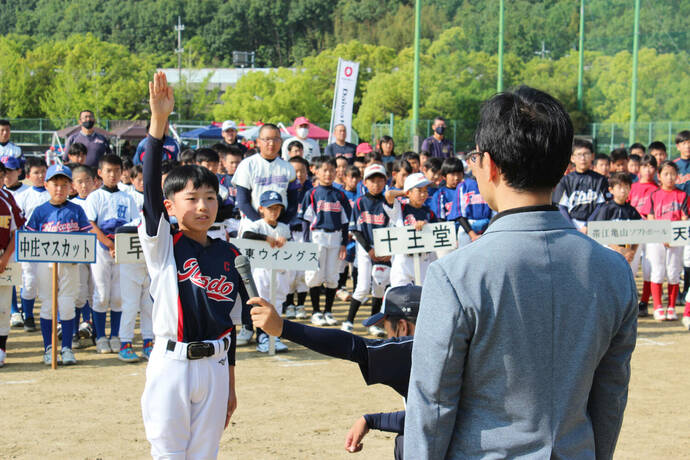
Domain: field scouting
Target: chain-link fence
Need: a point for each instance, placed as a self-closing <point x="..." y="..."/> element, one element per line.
<point x="608" y="136"/>
<point x="460" y="133"/>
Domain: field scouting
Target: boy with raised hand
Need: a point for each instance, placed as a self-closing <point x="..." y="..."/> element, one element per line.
<point x="58" y="215"/>
<point x="189" y="394"/>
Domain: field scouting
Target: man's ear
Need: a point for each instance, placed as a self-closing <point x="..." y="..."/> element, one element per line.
<point x="493" y="170"/>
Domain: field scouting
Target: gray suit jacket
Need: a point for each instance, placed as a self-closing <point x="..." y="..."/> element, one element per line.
<point x="522" y="347"/>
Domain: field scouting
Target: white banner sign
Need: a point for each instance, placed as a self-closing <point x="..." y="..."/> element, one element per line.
<point x="344" y="97"/>
<point x="407" y="240"/>
<point x="58" y="247"/>
<point x="128" y="249"/>
<point x="292" y="256"/>
<point x="630" y="231"/>
<point x="12" y="276"/>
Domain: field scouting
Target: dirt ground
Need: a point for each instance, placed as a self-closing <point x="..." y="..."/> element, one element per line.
<point x="297" y="405"/>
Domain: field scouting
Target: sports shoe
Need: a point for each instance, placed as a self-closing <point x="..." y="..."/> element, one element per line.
<point x="343" y="295"/>
<point x="377" y="331"/>
<point x="346" y="326"/>
<point x="244" y="336"/>
<point x="660" y="314"/>
<point x="290" y="312"/>
<point x="68" y="358"/>
<point x="77" y="343"/>
<point x="30" y="324"/>
<point x="686" y="322"/>
<point x="103" y="345"/>
<point x="147" y="349"/>
<point x="3" y="355"/>
<point x="127" y="355"/>
<point x="16" y="320"/>
<point x="280" y="346"/>
<point x="330" y="321"/>
<point x="317" y="319"/>
<point x="59" y="331"/>
<point x="262" y="343"/>
<point x="671" y="314"/>
<point x="643" y="311"/>
<point x="48" y="356"/>
<point x="300" y="312"/>
<point x="86" y="335"/>
<point x="115" y="344"/>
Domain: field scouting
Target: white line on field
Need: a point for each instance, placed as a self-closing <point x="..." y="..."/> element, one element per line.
<point x="645" y="341"/>
<point x="292" y="363"/>
<point x="17" y="382"/>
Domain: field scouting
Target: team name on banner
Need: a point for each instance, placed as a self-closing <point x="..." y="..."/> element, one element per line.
<point x="640" y="232"/>
<point x="292" y="256"/>
<point x="74" y="248"/>
<point x="128" y="249"/>
<point x="12" y="276"/>
<point x="407" y="240"/>
<point x="344" y="97"/>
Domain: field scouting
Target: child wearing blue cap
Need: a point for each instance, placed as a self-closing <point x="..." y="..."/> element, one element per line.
<point x="58" y="215"/>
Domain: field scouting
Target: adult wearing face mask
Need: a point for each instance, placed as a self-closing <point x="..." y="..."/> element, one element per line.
<point x="96" y="144"/>
<point x="311" y="147"/>
<point x="437" y="144"/>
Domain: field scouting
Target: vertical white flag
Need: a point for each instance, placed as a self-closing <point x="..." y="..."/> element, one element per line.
<point x="344" y="97"/>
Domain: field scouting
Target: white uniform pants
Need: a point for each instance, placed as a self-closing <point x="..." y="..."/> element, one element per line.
<point x="686" y="256"/>
<point x="5" y="301"/>
<point x="184" y="404"/>
<point x="295" y="280"/>
<point x="641" y="259"/>
<point x="262" y="279"/>
<point x="29" y="281"/>
<point x="666" y="262"/>
<point x="364" y="277"/>
<point x="134" y="288"/>
<point x="402" y="268"/>
<point x="68" y="290"/>
<point x="329" y="269"/>
<point x="85" y="286"/>
<point x="106" y="280"/>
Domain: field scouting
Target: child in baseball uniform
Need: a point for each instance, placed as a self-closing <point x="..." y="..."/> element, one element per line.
<point x="29" y="200"/>
<point x="470" y="212"/>
<point x="327" y="210"/>
<point x="108" y="208"/>
<point x="372" y="210"/>
<point x="8" y="226"/>
<point x="417" y="214"/>
<point x="666" y="203"/>
<point x="352" y="177"/>
<point x="189" y="394"/>
<point x="445" y="201"/>
<point x="275" y="233"/>
<point x="58" y="215"/>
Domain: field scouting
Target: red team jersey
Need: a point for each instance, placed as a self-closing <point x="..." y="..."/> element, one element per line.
<point x="7" y="223"/>
<point x="639" y="195"/>
<point x="667" y="204"/>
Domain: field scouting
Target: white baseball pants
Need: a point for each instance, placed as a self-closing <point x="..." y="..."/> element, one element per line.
<point x="402" y="268"/>
<point x="134" y="288"/>
<point x="364" y="277"/>
<point x="262" y="279"/>
<point x="29" y="281"/>
<point x="5" y="300"/>
<point x="106" y="280"/>
<point x="665" y="262"/>
<point x="68" y="290"/>
<point x="85" y="285"/>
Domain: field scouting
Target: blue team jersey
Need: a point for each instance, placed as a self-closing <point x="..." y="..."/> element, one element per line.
<point x="472" y="205"/>
<point x="326" y="208"/>
<point x="410" y="215"/>
<point x="683" y="179"/>
<point x="445" y="202"/>
<point x="67" y="217"/>
<point x="171" y="150"/>
<point x="371" y="212"/>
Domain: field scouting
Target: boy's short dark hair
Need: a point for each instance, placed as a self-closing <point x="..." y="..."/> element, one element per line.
<point x="4" y="122"/>
<point x="359" y="159"/>
<point x="620" y="178"/>
<point x="634" y="157"/>
<point x="601" y="157"/>
<point x="579" y="143"/>
<point x="187" y="156"/>
<point x="268" y="126"/>
<point x="402" y="165"/>
<point x="434" y="164"/>
<point x="297" y="144"/>
<point x="34" y="162"/>
<point x="324" y="159"/>
<point x="179" y="177"/>
<point x="353" y="171"/>
<point x="637" y="145"/>
<point x="648" y="159"/>
<point x="667" y="163"/>
<point x="529" y="136"/>
<point x="206" y="154"/>
<point x="300" y="160"/>
<point x="340" y="157"/>
<point x="221" y="149"/>
<point x="619" y="154"/>
<point x="452" y="165"/>
<point x="372" y="156"/>
<point x="127" y="164"/>
<point x="77" y="149"/>
<point x="135" y="170"/>
<point x="233" y="150"/>
<point x="657" y="145"/>
<point x="84" y="169"/>
<point x="110" y="159"/>
<point x="683" y="136"/>
<point x="3" y="170"/>
<point x="168" y="165"/>
<point x="410" y="155"/>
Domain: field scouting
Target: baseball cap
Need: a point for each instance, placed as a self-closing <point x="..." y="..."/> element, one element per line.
<point x="11" y="163"/>
<point x="415" y="180"/>
<point x="373" y="170"/>
<point x="269" y="198"/>
<point x="301" y="121"/>
<point x="58" y="170"/>
<point x="400" y="301"/>
<point x="364" y="147"/>
<point x="229" y="124"/>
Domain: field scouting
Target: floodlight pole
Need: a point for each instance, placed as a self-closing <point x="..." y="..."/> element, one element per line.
<point x="415" y="85"/>
<point x="633" y="89"/>
<point x="581" y="63"/>
<point x="499" y="82"/>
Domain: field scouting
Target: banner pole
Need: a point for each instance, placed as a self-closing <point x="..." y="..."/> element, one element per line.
<point x="53" y="364"/>
<point x="271" y="339"/>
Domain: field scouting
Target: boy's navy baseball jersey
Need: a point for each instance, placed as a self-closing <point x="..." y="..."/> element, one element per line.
<point x="65" y="217"/>
<point x="683" y="179"/>
<point x="614" y="211"/>
<point x="581" y="193"/>
<point x="327" y="209"/>
<point x="444" y="202"/>
<point x="371" y="212"/>
<point x="197" y="291"/>
<point x="411" y="215"/>
<point x="471" y="204"/>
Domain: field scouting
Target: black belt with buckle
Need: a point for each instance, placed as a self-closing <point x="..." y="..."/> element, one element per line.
<point x="198" y="350"/>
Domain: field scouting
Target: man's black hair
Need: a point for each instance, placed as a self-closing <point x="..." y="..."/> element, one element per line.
<point x="601" y="156"/>
<point x="402" y="165"/>
<point x="579" y="143"/>
<point x="297" y="144"/>
<point x="77" y="149"/>
<point x="620" y="178"/>
<point x="87" y="111"/>
<point x="619" y="154"/>
<point x="409" y="155"/>
<point x="657" y="145"/>
<point x="434" y="164"/>
<point x="353" y="171"/>
<point x="300" y="160"/>
<point x="179" y="177"/>
<point x="268" y="126"/>
<point x="439" y="118"/>
<point x="452" y="165"/>
<point x="668" y="163"/>
<point x="648" y="159"/>
<point x="135" y="170"/>
<point x="637" y="145"/>
<point x="167" y="166"/>
<point x="110" y="159"/>
<point x="85" y="169"/>
<point x="683" y="136"/>
<point x="529" y="136"/>
<point x="323" y="159"/>
<point x="634" y="157"/>
<point x="33" y="162"/>
<point x="4" y="122"/>
<point x="206" y="154"/>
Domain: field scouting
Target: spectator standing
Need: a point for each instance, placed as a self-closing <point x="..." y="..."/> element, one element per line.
<point x="96" y="144"/>
<point x="229" y="133"/>
<point x="311" y="147"/>
<point x="341" y="147"/>
<point x="9" y="149"/>
<point x="437" y="144"/>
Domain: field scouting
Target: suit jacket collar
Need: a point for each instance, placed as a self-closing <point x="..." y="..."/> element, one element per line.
<point x="529" y="218"/>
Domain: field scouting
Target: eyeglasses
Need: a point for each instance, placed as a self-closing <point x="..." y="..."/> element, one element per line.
<point x="472" y="156"/>
<point x="582" y="154"/>
<point x="268" y="140"/>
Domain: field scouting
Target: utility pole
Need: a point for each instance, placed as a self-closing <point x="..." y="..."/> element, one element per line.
<point x="499" y="82"/>
<point x="415" y="84"/>
<point x="179" y="50"/>
<point x="581" y="62"/>
<point x="633" y="90"/>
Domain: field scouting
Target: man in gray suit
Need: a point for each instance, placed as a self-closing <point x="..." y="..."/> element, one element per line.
<point x="524" y="337"/>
